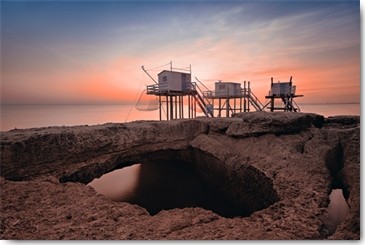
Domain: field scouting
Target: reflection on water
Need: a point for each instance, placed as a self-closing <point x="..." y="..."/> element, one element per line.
<point x="164" y="185"/>
<point x="119" y="184"/>
<point x="337" y="210"/>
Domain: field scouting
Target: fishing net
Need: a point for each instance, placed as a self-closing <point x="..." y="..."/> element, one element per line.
<point x="147" y="102"/>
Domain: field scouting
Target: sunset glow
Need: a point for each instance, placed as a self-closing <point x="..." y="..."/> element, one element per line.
<point x="92" y="51"/>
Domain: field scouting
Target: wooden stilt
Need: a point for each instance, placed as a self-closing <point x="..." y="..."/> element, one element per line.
<point x="241" y="104"/>
<point x="175" y="104"/>
<point x="182" y="106"/>
<point x="189" y="105"/>
<point x="234" y="105"/>
<point x="227" y="107"/>
<point x="171" y="108"/>
<point x="159" y="107"/>
<point x="167" y="107"/>
<point x="213" y="107"/>
<point x="244" y="104"/>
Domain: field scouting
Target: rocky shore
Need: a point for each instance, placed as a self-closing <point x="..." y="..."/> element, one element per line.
<point x="279" y="167"/>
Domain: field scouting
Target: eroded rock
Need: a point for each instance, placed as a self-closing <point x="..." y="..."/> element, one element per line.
<point x="259" y="123"/>
<point x="279" y="166"/>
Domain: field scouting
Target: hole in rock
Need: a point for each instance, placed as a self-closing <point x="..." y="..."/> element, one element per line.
<point x="118" y="185"/>
<point x="164" y="185"/>
<point x="337" y="211"/>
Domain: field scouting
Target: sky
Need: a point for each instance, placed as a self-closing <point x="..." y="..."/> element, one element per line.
<point x="65" y="52"/>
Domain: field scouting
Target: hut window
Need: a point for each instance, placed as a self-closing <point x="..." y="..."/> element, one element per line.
<point x="164" y="78"/>
<point x="222" y="86"/>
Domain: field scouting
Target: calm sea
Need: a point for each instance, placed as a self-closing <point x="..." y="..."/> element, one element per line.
<point x="30" y="116"/>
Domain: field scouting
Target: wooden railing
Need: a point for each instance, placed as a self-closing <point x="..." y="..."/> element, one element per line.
<point x="153" y="89"/>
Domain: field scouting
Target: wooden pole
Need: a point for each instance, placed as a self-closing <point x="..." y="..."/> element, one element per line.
<point x="159" y="107"/>
<point x="227" y="107"/>
<point x="244" y="97"/>
<point x="182" y="106"/>
<point x="189" y="105"/>
<point x="192" y="106"/>
<point x="234" y="105"/>
<point x="167" y="107"/>
<point x="175" y="107"/>
<point x="171" y="108"/>
<point x="213" y="109"/>
<point x="149" y="75"/>
<point x="241" y="104"/>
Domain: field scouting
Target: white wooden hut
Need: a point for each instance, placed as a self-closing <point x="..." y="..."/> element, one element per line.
<point x="285" y="93"/>
<point x="227" y="89"/>
<point x="282" y="89"/>
<point x="173" y="81"/>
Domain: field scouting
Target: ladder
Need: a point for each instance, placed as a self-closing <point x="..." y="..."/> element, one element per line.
<point x="197" y="94"/>
<point x="290" y="104"/>
<point x="255" y="101"/>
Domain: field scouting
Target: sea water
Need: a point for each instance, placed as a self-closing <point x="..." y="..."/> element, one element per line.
<point x="30" y="116"/>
